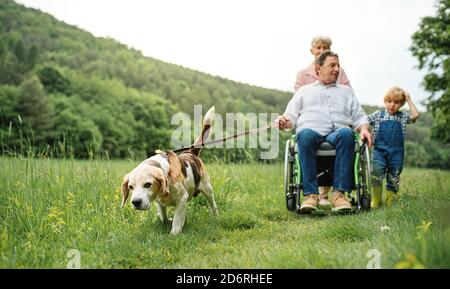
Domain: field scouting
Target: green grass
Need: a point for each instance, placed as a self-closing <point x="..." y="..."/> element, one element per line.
<point x="48" y="207"/>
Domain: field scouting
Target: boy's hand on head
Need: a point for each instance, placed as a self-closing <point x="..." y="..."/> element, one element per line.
<point x="407" y="96"/>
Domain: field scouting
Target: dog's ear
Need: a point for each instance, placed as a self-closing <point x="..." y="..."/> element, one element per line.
<point x="163" y="185"/>
<point x="175" y="172"/>
<point x="125" y="189"/>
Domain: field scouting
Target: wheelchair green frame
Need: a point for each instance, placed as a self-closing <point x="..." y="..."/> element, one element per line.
<point x="362" y="182"/>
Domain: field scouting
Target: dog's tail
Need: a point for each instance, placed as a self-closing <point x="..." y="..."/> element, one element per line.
<point x="206" y="129"/>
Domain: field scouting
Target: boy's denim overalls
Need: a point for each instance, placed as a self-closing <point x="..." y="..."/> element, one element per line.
<point x="388" y="153"/>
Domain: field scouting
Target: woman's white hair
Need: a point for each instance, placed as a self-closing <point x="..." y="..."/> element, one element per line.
<point x="324" y="39"/>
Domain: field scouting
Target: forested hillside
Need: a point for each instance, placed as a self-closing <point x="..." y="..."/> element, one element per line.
<point x="64" y="92"/>
<point x="96" y="94"/>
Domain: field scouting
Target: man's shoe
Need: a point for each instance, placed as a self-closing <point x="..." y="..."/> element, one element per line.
<point x="340" y="203"/>
<point x="310" y="203"/>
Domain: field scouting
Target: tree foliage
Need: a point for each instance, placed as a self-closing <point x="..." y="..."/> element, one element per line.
<point x="431" y="46"/>
<point x="94" y="94"/>
<point x="53" y="80"/>
<point x="60" y="87"/>
<point x="35" y="109"/>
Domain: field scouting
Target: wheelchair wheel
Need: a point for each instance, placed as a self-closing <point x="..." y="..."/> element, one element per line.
<point x="365" y="180"/>
<point x="289" y="177"/>
<point x="291" y="202"/>
<point x="365" y="203"/>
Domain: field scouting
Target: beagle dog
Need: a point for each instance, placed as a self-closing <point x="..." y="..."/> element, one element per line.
<point x="171" y="180"/>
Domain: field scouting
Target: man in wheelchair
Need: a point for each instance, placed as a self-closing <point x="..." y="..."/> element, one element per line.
<point x="324" y="111"/>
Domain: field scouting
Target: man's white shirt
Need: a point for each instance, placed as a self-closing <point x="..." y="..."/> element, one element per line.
<point x="325" y="108"/>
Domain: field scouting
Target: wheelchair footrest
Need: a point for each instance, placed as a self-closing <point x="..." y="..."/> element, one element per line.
<point x="320" y="212"/>
<point x="317" y="212"/>
<point x="344" y="212"/>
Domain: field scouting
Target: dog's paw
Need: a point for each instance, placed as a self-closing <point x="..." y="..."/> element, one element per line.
<point x="175" y="231"/>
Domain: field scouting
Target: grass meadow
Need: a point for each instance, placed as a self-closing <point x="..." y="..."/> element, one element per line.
<point x="49" y="207"/>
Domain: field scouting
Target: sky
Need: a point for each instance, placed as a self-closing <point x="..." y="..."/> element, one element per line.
<point x="264" y="42"/>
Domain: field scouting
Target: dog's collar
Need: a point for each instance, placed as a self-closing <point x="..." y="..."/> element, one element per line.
<point x="162" y="154"/>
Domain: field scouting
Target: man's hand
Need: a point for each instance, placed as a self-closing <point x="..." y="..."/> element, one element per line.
<point x="366" y="135"/>
<point x="283" y="122"/>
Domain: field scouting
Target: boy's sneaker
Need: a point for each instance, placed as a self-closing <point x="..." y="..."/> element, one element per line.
<point x="340" y="203"/>
<point x="310" y="203"/>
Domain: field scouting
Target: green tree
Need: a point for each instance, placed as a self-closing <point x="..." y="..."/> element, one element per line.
<point x="415" y="155"/>
<point x="53" y="80"/>
<point x="35" y="109"/>
<point x="81" y="136"/>
<point x="8" y="116"/>
<point x="438" y="155"/>
<point x="9" y="68"/>
<point x="32" y="57"/>
<point x="8" y="98"/>
<point x="431" y="46"/>
<point x="19" y="51"/>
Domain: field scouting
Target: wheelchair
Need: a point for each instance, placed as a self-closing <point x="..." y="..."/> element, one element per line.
<point x="359" y="197"/>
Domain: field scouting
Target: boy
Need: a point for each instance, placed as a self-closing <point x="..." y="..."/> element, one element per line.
<point x="389" y="129"/>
